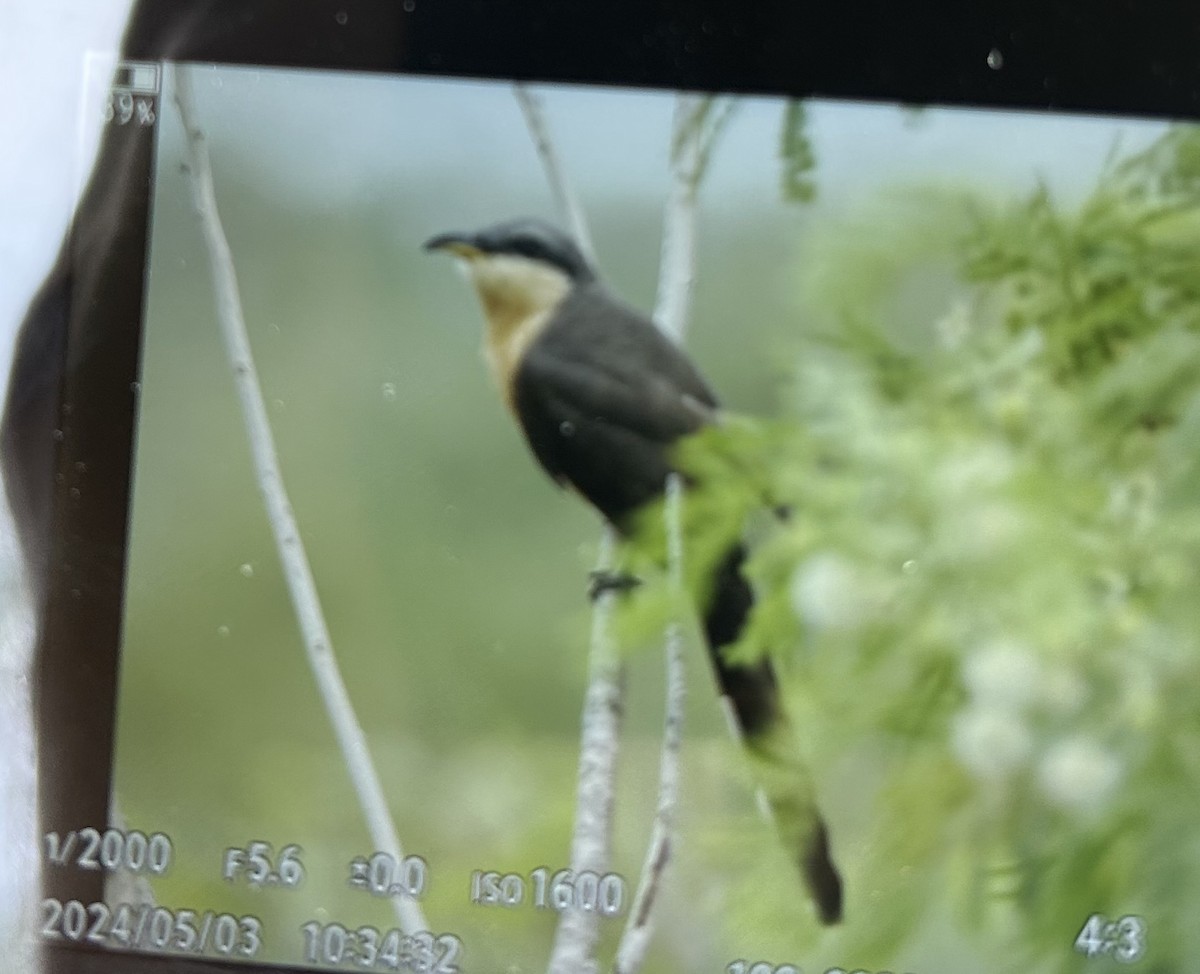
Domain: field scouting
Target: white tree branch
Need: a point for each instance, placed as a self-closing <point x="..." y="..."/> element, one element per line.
<point x="677" y="262"/>
<point x="578" y="932"/>
<point x="565" y="197"/>
<point x="671" y="313"/>
<point x="635" y="939"/>
<point x="297" y="572"/>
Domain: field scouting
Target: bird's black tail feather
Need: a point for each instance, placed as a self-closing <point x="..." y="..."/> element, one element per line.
<point x="781" y="774"/>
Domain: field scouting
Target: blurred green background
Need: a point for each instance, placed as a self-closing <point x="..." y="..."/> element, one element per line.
<point x="451" y="572"/>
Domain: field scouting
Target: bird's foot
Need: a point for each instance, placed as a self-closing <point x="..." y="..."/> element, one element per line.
<point x="601" y="582"/>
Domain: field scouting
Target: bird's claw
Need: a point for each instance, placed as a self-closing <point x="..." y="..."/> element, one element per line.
<point x="601" y="582"/>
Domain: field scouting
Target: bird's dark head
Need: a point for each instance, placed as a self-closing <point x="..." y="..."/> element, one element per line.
<point x="521" y="269"/>
<point x="522" y="240"/>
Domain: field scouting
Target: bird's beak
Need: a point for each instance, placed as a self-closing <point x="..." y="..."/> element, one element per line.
<point x="458" y="244"/>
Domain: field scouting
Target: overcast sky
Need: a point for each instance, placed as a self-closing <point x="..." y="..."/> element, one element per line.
<point x="371" y="129"/>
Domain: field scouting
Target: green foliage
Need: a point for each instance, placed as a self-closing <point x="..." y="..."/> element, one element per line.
<point x="796" y="155"/>
<point x="984" y="600"/>
<point x="1119" y="270"/>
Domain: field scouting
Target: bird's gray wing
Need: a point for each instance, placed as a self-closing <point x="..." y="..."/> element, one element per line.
<point x="618" y="364"/>
<point x="601" y="396"/>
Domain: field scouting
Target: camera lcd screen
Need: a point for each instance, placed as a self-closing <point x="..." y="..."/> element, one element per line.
<point x="955" y="353"/>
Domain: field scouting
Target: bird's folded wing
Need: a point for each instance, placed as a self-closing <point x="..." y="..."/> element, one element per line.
<point x="603" y="428"/>
<point x="616" y="392"/>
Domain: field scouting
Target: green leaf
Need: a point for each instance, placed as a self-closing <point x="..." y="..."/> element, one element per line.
<point x="796" y="156"/>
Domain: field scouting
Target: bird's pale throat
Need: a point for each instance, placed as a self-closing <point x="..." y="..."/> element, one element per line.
<point x="518" y="297"/>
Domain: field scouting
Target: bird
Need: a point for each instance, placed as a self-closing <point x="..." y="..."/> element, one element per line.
<point x="602" y="397"/>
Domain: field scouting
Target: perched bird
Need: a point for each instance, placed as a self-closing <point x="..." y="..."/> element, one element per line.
<point x="602" y="396"/>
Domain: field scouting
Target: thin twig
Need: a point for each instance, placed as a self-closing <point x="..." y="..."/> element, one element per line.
<point x="677" y="262"/>
<point x="671" y="313"/>
<point x="578" y="931"/>
<point x="297" y="572"/>
<point x="565" y="197"/>
<point x="635" y="939"/>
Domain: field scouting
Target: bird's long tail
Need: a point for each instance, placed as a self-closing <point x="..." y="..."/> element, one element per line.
<point x="779" y="770"/>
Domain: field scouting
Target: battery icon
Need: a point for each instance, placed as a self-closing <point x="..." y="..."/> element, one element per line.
<point x="137" y="76"/>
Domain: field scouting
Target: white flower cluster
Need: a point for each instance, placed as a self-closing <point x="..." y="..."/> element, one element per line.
<point x="994" y="735"/>
<point x="830" y="592"/>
